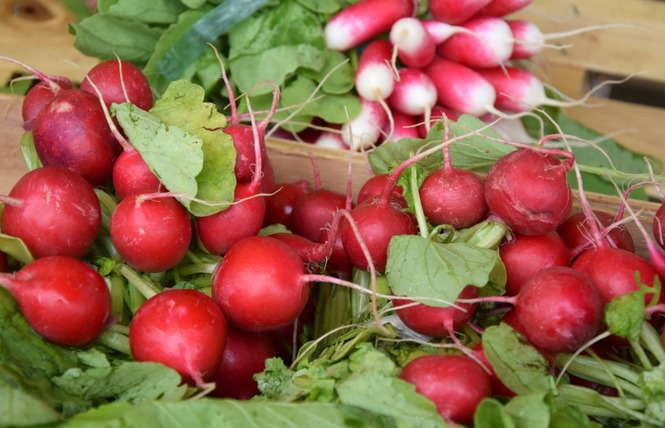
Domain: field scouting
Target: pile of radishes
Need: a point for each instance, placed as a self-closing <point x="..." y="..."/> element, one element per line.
<point x="213" y="296"/>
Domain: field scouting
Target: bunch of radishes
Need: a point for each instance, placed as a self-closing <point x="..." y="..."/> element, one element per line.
<point x="457" y="58"/>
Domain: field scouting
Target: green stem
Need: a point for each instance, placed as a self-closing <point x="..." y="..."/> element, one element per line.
<point x="116" y="341"/>
<point x="417" y="204"/>
<point x="145" y="287"/>
<point x="596" y="404"/>
<point x="117" y="296"/>
<point x="605" y="372"/>
<point x="652" y="342"/>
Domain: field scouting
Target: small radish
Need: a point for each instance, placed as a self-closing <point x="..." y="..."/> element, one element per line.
<point x="373" y="187"/>
<point x="414" y="94"/>
<point x="406" y="126"/>
<point x="332" y="140"/>
<point x="455" y="383"/>
<point x="118" y="82"/>
<point x="501" y="8"/>
<point x="413" y="43"/>
<point x="54" y="211"/>
<point x="131" y="175"/>
<point x="364" y="131"/>
<point x="527" y="189"/>
<point x="440" y="31"/>
<point x="314" y="211"/>
<point x="280" y="203"/>
<point x="576" y="231"/>
<point x="182" y="329"/>
<point x="364" y="20"/>
<point x="64" y="300"/>
<point x="438" y="112"/>
<point x="489" y="43"/>
<point x="151" y="232"/>
<point x="455" y="11"/>
<point x="374" y="78"/>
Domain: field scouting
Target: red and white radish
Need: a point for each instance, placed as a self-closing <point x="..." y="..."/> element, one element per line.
<point x="501" y="8"/>
<point x="375" y="78"/>
<point x="406" y="126"/>
<point x="439" y="31"/>
<point x="412" y="42"/>
<point x="455" y="11"/>
<point x="414" y="94"/>
<point x="364" y="131"/>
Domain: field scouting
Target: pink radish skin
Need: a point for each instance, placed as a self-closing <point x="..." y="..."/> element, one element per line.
<point x="119" y="82"/>
<point x="461" y="88"/>
<point x="415" y="47"/>
<point x="182" y="329"/>
<point x="440" y="31"/>
<point x="414" y="94"/>
<point x="63" y="299"/>
<point x="54" y="211"/>
<point x="131" y="175"/>
<point x="529" y="40"/>
<point x="363" y="21"/>
<point x="455" y="11"/>
<point x="406" y="126"/>
<point x="576" y="232"/>
<point x="500" y="8"/>
<point x="489" y="45"/>
<point x="438" y="112"/>
<point x="364" y="131"/>
<point x="517" y="89"/>
<point x="38" y="96"/>
<point x="528" y="191"/>
<point x="374" y="78"/>
<point x="560" y="309"/>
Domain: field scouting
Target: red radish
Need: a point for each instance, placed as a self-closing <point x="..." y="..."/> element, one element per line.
<point x="460" y="88"/>
<point x="455" y="383"/>
<point x="314" y="211"/>
<point x="500" y="8"/>
<point x="71" y="131"/>
<point x="437" y="321"/>
<point x="54" y="211"/>
<point x="331" y="140"/>
<point x="440" y="31"/>
<point x="414" y="94"/>
<point x="38" y="96"/>
<point x="524" y="255"/>
<point x="438" y="112"/>
<point x="373" y="187"/>
<point x="374" y="78"/>
<point x="497" y="387"/>
<point x="405" y="126"/>
<point x="413" y="43"/>
<point x="118" y="82"/>
<point x="489" y="43"/>
<point x="364" y="20"/>
<point x="131" y="175"/>
<point x="455" y="11"/>
<point x="510" y="318"/>
<point x="279" y="204"/>
<point x="151" y="232"/>
<point x="577" y="234"/>
<point x="528" y="191"/>
<point x="364" y="131"/>
<point x="64" y="300"/>
<point x="245" y="355"/>
<point x="560" y="309"/>
<point x="4" y="262"/>
<point x="182" y="329"/>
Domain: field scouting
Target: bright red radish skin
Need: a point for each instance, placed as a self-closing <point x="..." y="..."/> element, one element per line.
<point x="414" y="94"/>
<point x="152" y="234"/>
<point x="560" y="309"/>
<point x="415" y="47"/>
<point x="373" y="187"/>
<point x="245" y="355"/>
<point x="525" y="255"/>
<point x="528" y="191"/>
<point x="405" y="126"/>
<point x="501" y="8"/>
<point x="438" y="112"/>
<point x="118" y="82"/>
<point x="455" y="11"/>
<point x="363" y="20"/>
<point x="131" y="175"/>
<point x="71" y="131"/>
<point x="259" y="284"/>
<point x="374" y="77"/>
<point x="576" y="231"/>
<point x="455" y="383"/>
<point x="54" y="211"/>
<point x="497" y="387"/>
<point x="489" y="43"/>
<point x="517" y="89"/>
<point x="313" y="212"/>
<point x="182" y="329"/>
<point x="280" y="203"/>
<point x="64" y="300"/>
<point x="38" y="96"/>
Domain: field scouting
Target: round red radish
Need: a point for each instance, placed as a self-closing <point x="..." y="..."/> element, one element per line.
<point x="372" y="188"/>
<point x="454" y="196"/>
<point x="525" y="255"/>
<point x="415" y="47"/>
<point x="576" y="231"/>
<point x="243" y="141"/>
<point x="437" y="321"/>
<point x="511" y="319"/>
<point x="118" y="82"/>
<point x="151" y="234"/>
<point x="313" y="213"/>
<point x="131" y="175"/>
<point x="528" y="191"/>
<point x="489" y="43"/>
<point x="496" y="385"/>
<point x="259" y="284"/>
<point x="182" y="329"/>
<point x="38" y="96"/>
<point x="455" y="383"/>
<point x="560" y="309"/>
<point x="374" y="78"/>
<point x="54" y="211"/>
<point x="64" y="300"/>
<point x="455" y="11"/>
<point x="71" y="131"/>
<point x="280" y="203"/>
<point x="245" y="355"/>
<point x="414" y="94"/>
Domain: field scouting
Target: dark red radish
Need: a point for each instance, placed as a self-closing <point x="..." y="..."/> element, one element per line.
<point x="54" y="211"/>
<point x="152" y="233"/>
<point x="489" y="43"/>
<point x="364" y="20"/>
<point x="501" y="8"/>
<point x="118" y="81"/>
<point x="71" y="131"/>
<point x="405" y="126"/>
<point x="280" y="203"/>
<point x="364" y="131"/>
<point x="244" y="356"/>
<point x="375" y="78"/>
<point x="455" y="11"/>
<point x="412" y="42"/>
<point x="454" y="196"/>
<point x="455" y="383"/>
<point x="577" y="235"/>
<point x="438" y="112"/>
<point x="39" y="95"/>
<point x="131" y="175"/>
<point x="260" y="285"/>
<point x="496" y="385"/>
<point x="528" y="191"/>
<point x="373" y="187"/>
<point x="183" y="329"/>
<point x="414" y="94"/>
<point x="658" y="227"/>
<point x="437" y="321"/>
<point x="4" y="262"/>
<point x="524" y="255"/>
<point x="63" y="299"/>
<point x="560" y="309"/>
<point x="314" y="211"/>
<point x="461" y="88"/>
